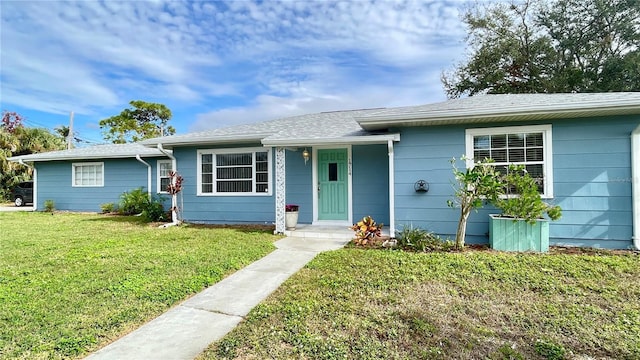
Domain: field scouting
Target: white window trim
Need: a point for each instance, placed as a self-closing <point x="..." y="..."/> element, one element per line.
<point x="159" y="188"/>
<point x="215" y="152"/>
<point x="73" y="174"/>
<point x="546" y="131"/>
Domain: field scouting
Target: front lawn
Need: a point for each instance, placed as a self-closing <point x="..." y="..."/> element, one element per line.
<point x="70" y="283"/>
<point x="377" y="304"/>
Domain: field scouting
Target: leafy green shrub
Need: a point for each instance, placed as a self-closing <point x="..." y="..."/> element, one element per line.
<point x="137" y="202"/>
<point x="107" y="208"/>
<point x="366" y="230"/>
<point x="49" y="206"/>
<point x="417" y="239"/>
<point x="523" y="200"/>
<point x="154" y="211"/>
<point x="133" y="202"/>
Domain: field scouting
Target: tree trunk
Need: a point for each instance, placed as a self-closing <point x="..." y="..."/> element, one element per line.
<point x="462" y="228"/>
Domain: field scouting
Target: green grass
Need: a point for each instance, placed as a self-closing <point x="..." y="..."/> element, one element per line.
<point x="70" y="283"/>
<point x="376" y="304"/>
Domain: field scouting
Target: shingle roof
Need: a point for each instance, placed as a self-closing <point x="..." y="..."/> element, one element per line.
<point x="353" y="126"/>
<point x="108" y="151"/>
<point x="505" y="107"/>
<point x="318" y="127"/>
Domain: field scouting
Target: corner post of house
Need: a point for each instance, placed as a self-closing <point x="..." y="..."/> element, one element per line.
<point x="280" y="190"/>
<point x="392" y="196"/>
<point x="635" y="185"/>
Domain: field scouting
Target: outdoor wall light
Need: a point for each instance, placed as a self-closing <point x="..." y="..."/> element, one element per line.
<point x="421" y="186"/>
<point x="306" y="155"/>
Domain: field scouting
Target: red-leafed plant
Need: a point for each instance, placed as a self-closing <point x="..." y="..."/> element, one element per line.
<point x="174" y="188"/>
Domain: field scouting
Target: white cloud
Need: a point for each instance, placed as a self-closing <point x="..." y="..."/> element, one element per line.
<point x="311" y="98"/>
<point x="277" y="57"/>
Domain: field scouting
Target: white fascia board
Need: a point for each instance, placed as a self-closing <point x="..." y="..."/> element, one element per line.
<point x="354" y="140"/>
<point x="206" y="140"/>
<point x="80" y="157"/>
<point x="443" y="117"/>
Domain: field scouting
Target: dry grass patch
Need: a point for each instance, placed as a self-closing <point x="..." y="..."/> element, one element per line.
<point x="377" y="304"/>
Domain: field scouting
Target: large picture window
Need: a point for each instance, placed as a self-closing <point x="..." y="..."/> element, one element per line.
<point x="234" y="172"/>
<point x="529" y="146"/>
<point x="87" y="174"/>
<point x="164" y="169"/>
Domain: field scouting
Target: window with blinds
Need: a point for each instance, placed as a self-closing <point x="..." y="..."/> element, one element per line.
<point x="87" y="174"/>
<point x="234" y="171"/>
<point x="529" y="146"/>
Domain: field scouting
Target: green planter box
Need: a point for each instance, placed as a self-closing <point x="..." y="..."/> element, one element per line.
<point x="507" y="234"/>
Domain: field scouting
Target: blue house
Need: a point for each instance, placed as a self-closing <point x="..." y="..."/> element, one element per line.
<point x="340" y="166"/>
<point x="82" y="179"/>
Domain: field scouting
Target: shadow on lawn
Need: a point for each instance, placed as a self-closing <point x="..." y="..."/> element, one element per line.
<point x="134" y="220"/>
<point x="139" y="221"/>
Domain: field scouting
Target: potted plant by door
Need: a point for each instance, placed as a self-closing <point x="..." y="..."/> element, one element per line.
<point x="522" y="225"/>
<point x="291" y="216"/>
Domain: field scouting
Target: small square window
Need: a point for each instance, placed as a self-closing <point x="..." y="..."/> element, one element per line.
<point x="333" y="171"/>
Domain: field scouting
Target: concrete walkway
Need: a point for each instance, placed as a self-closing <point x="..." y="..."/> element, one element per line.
<point x="187" y="329"/>
<point x="11" y="208"/>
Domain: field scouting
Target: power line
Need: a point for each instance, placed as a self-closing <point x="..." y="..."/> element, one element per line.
<point x="52" y="129"/>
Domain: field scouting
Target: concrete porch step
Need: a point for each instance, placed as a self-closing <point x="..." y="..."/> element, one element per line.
<point x="307" y="231"/>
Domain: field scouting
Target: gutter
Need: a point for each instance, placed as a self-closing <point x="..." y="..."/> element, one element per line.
<point x="35" y="183"/>
<point x="139" y="158"/>
<point x="174" y="197"/>
<point x="635" y="185"/>
<point x="206" y="140"/>
<point x="354" y="140"/>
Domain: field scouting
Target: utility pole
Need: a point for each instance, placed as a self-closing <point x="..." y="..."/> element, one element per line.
<point x="70" y="135"/>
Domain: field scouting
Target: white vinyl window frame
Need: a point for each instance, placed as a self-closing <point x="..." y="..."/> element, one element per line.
<point x="253" y="151"/>
<point x="162" y="175"/>
<point x="547" y="148"/>
<point x="87" y="168"/>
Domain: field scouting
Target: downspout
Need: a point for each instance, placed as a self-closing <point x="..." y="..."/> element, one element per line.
<point x="35" y="183"/>
<point x="148" y="174"/>
<point x="635" y="185"/>
<point x="392" y="195"/>
<point x="174" y="197"/>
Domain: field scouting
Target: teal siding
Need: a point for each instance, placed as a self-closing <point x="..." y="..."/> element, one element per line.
<point x="370" y="182"/>
<point x="370" y="189"/>
<point x="219" y="209"/>
<point x="424" y="154"/>
<point x="299" y="184"/>
<point x="120" y="175"/>
<point x="592" y="181"/>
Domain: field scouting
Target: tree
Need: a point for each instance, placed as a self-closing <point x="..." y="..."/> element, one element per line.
<point x="549" y="46"/>
<point x="16" y="140"/>
<point x="596" y="43"/>
<point x="143" y="121"/>
<point x="472" y="189"/>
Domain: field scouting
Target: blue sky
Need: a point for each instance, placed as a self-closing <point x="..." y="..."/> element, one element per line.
<point x="219" y="63"/>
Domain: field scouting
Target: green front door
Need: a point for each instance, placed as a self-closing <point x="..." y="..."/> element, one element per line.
<point x="333" y="184"/>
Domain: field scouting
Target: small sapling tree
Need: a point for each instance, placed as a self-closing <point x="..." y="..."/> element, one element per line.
<point x="473" y="187"/>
